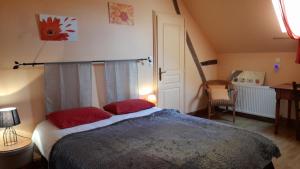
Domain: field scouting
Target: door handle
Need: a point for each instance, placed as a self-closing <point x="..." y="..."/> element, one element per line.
<point x="160" y="72"/>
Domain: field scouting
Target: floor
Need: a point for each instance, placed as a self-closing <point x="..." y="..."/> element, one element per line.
<point x="285" y="140"/>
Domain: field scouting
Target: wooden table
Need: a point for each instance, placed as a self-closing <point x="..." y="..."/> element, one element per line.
<point x="284" y="92"/>
<point x="17" y="155"/>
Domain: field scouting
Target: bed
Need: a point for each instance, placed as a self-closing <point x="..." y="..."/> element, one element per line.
<point x="153" y="138"/>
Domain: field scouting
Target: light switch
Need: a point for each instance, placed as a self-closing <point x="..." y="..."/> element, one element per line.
<point x="276" y="67"/>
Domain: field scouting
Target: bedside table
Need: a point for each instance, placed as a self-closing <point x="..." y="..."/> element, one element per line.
<point x="16" y="156"/>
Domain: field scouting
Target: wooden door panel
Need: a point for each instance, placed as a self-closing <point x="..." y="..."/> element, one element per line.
<point x="170" y="98"/>
<point x="170" y="61"/>
<point x="171" y="49"/>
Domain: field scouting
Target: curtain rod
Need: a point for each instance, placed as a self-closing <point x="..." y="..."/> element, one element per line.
<point x="17" y="64"/>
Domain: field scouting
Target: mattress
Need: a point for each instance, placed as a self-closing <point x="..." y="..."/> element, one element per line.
<point x="46" y="134"/>
<point x="161" y="140"/>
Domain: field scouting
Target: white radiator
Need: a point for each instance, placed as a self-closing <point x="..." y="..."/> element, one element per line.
<point x="256" y="100"/>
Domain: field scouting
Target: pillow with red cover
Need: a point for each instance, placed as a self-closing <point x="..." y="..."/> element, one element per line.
<point x="77" y="116"/>
<point x="128" y="106"/>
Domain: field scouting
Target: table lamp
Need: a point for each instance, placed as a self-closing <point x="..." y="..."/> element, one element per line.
<point x="8" y="118"/>
<point x="152" y="98"/>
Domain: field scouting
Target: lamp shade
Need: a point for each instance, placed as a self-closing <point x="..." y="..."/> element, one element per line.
<point x="9" y="117"/>
<point x="152" y="98"/>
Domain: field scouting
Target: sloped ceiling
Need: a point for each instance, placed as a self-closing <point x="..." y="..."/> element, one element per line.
<point x="236" y="26"/>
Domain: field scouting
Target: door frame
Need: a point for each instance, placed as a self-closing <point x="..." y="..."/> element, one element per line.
<point x="155" y="53"/>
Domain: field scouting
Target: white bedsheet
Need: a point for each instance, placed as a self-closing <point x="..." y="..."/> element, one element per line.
<point x="46" y="134"/>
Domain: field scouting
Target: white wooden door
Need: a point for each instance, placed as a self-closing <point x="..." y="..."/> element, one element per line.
<point x="169" y="47"/>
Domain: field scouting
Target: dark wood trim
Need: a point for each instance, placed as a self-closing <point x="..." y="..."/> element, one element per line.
<point x="254" y="117"/>
<point x="175" y="3"/>
<point x="203" y="114"/>
<point x="209" y="62"/>
<point x="195" y="57"/>
<point x="199" y="113"/>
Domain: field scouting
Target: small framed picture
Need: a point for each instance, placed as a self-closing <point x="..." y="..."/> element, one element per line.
<point x="58" y="28"/>
<point x="120" y="13"/>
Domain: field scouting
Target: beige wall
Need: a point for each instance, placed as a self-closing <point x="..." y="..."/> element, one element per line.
<point x="194" y="100"/>
<point x="98" y="39"/>
<point x="23" y="89"/>
<point x="289" y="71"/>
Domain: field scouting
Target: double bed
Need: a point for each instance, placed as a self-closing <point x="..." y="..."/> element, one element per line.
<point x="153" y="138"/>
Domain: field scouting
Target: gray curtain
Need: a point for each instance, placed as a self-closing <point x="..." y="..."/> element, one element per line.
<point x="68" y="85"/>
<point x="121" y="80"/>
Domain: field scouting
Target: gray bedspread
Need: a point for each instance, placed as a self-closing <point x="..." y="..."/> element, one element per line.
<point x="164" y="140"/>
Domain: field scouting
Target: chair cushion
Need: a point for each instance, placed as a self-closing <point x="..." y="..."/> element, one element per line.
<point x="217" y="86"/>
<point x="219" y="94"/>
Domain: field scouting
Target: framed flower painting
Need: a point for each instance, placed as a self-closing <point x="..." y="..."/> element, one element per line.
<point x="58" y="28"/>
<point x="120" y="13"/>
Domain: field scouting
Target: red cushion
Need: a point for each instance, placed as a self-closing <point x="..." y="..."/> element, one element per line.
<point x="128" y="106"/>
<point x="77" y="116"/>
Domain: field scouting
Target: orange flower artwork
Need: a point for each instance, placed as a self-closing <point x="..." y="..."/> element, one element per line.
<point x="120" y="13"/>
<point x="57" y="28"/>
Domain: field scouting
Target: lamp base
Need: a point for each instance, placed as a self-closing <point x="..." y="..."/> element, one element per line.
<point x="10" y="136"/>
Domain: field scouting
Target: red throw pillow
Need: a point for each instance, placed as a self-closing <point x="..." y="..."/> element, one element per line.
<point x="128" y="106"/>
<point x="77" y="116"/>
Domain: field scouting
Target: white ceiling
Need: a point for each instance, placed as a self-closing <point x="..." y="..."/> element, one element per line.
<point x="236" y="26"/>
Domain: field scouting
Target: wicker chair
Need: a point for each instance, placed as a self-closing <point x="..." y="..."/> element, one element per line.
<point x="231" y="95"/>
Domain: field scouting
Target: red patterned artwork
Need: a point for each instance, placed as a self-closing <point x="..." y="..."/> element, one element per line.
<point x="57" y="28"/>
<point x="120" y="13"/>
